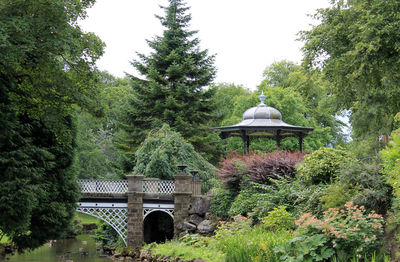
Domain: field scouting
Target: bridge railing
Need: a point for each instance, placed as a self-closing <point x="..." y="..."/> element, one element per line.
<point x="149" y="185"/>
<point x="103" y="186"/>
<point x="157" y="186"/>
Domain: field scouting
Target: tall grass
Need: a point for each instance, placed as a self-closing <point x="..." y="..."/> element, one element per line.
<point x="175" y="248"/>
<point x="380" y="257"/>
<point x="252" y="244"/>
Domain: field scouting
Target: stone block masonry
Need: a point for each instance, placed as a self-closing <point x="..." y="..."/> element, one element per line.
<point x="135" y="211"/>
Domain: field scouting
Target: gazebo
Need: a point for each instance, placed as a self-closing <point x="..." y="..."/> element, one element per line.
<point x="264" y="121"/>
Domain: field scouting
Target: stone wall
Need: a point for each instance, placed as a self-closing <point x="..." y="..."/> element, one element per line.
<point x="135" y="211"/>
<point x="190" y="212"/>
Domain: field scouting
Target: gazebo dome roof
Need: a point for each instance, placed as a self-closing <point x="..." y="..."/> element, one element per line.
<point x="263" y="121"/>
<point x="262" y="111"/>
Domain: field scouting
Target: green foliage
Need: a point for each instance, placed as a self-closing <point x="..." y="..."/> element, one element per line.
<point x="221" y="202"/>
<point x="244" y="202"/>
<point x="182" y="249"/>
<point x="306" y="248"/>
<point x="97" y="138"/>
<point x="163" y="150"/>
<point x="323" y="165"/>
<point x="369" y="185"/>
<point x="47" y="72"/>
<point x="391" y="161"/>
<point x="355" y="45"/>
<point x="38" y="188"/>
<point x="195" y="240"/>
<point x="278" y="219"/>
<point x="175" y="72"/>
<point x="336" y="195"/>
<point x="107" y="236"/>
<point x="240" y="242"/>
<point x="224" y="99"/>
<point x="340" y="231"/>
<point x="281" y="193"/>
<point x="47" y="67"/>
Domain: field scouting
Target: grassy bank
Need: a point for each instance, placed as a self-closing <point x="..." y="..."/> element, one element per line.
<point x="233" y="242"/>
<point x="86" y="219"/>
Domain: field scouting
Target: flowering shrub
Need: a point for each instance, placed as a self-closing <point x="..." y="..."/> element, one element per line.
<point x="340" y="231"/>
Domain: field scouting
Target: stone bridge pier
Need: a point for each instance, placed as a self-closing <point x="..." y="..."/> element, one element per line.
<point x="182" y="198"/>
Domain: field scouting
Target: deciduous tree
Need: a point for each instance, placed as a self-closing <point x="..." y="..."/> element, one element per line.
<point x="356" y="46"/>
<point x="46" y="66"/>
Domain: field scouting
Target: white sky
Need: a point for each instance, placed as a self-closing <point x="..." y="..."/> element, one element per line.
<point x="246" y="36"/>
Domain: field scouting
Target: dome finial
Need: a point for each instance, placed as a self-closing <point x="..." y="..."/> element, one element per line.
<point x="262" y="98"/>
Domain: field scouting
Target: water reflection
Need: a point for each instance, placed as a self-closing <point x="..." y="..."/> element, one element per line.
<point x="81" y="249"/>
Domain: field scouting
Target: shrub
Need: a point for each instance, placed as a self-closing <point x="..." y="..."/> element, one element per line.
<point x="323" y="165"/>
<point x="297" y="197"/>
<point x="231" y="172"/>
<point x="221" y="202"/>
<point x="391" y="160"/>
<point x="346" y="231"/>
<point x="278" y="219"/>
<point x="282" y="193"/>
<point x="161" y="152"/>
<point x="244" y="202"/>
<point x="336" y="195"/>
<point x="260" y="168"/>
<point x="368" y="185"/>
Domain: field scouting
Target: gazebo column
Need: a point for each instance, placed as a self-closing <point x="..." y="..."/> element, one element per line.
<point x="301" y="142"/>
<point x="278" y="139"/>
<point x="246" y="143"/>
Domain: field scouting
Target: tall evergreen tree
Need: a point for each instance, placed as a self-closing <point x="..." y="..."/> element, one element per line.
<point x="176" y="73"/>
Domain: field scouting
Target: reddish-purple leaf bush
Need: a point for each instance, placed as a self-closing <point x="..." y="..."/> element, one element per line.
<point x="262" y="168"/>
<point x="231" y="172"/>
<point x="259" y="168"/>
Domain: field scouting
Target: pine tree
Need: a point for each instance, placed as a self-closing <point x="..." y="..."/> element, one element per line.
<point x="176" y="73"/>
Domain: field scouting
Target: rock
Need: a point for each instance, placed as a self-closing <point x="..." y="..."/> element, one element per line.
<point x="88" y="228"/>
<point x="205" y="227"/>
<point x="208" y="216"/>
<point x="144" y="254"/>
<point x="195" y="219"/>
<point x="186" y="226"/>
<point x="200" y="206"/>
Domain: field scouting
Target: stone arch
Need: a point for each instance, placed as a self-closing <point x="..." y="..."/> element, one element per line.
<point x="148" y="211"/>
<point x="115" y="217"/>
<point x="158" y="226"/>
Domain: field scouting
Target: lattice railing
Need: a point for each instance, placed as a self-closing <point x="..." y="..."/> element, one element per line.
<point x="103" y="186"/>
<point x="156" y="186"/>
<point x="116" y="217"/>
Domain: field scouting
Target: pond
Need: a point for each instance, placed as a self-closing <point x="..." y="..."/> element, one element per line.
<point x="80" y="249"/>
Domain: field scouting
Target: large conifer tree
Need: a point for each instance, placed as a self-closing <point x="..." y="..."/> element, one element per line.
<point x="172" y="91"/>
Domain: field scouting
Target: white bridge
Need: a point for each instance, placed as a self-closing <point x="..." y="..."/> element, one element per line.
<point x="107" y="200"/>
